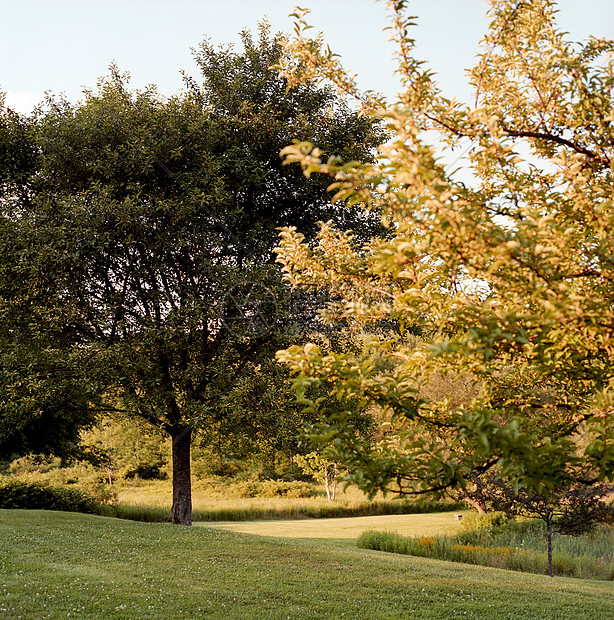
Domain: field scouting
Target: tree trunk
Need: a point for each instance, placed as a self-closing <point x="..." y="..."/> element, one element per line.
<point x="334" y="480"/>
<point x="327" y="482"/>
<point x="182" y="485"/>
<point x="479" y="505"/>
<point x="549" y="537"/>
<point x="330" y="480"/>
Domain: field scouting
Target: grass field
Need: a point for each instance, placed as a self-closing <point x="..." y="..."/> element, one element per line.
<point x="59" y="565"/>
<point x="347" y="530"/>
<point x="151" y="501"/>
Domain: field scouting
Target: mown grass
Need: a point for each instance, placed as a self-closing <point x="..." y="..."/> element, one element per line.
<point x="348" y="530"/>
<point x="58" y="565"/>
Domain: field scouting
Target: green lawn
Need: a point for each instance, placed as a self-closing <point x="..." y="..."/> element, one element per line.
<point x="59" y="565"/>
<point x="346" y="530"/>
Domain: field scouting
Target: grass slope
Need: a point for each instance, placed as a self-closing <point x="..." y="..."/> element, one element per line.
<point x="58" y="565"/>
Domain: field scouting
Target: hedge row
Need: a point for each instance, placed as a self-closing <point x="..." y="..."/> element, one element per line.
<point x="19" y="494"/>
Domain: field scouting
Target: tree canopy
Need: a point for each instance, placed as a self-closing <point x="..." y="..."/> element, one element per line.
<point x="510" y="275"/>
<point x="144" y="218"/>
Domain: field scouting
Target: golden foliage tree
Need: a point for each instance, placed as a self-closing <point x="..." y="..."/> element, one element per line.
<point x="510" y="274"/>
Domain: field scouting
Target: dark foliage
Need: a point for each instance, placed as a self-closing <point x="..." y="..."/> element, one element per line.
<point x="143" y="280"/>
<point x="570" y="509"/>
<point x="33" y="495"/>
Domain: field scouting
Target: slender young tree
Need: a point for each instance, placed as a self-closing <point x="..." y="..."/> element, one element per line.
<point x="571" y="509"/>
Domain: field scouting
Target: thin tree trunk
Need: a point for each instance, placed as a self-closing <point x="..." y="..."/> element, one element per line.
<point x="327" y="482"/>
<point x="549" y="536"/>
<point x="182" y="485"/>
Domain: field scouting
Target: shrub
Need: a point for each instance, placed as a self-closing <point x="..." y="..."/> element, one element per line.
<point x="273" y="488"/>
<point x="35" y="469"/>
<point x="212" y="465"/>
<point x="20" y="494"/>
<point x="153" y="471"/>
<point x="488" y="521"/>
<point x="33" y="464"/>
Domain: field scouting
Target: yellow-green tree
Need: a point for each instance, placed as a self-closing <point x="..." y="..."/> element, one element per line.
<point x="511" y="275"/>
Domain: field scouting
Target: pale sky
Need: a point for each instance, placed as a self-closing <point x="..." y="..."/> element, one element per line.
<point x="64" y="45"/>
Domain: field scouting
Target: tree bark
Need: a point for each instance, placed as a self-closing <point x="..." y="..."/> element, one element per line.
<point x="479" y="505"/>
<point x="182" y="484"/>
<point x="334" y="480"/>
<point x="549" y="536"/>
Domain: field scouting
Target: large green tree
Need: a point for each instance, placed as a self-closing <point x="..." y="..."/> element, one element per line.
<point x="511" y="275"/>
<point x="150" y="224"/>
